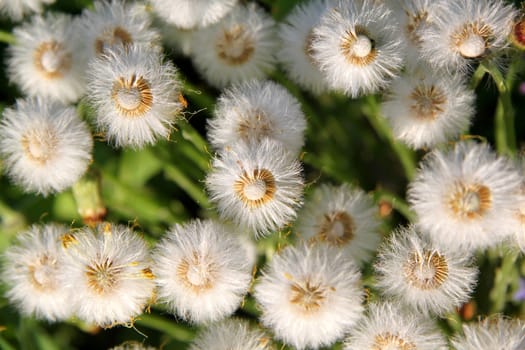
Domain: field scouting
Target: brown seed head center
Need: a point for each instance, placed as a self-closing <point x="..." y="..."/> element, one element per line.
<point x="197" y="272"/>
<point x="358" y="47"/>
<point x="307" y="296"/>
<point x="39" y="145"/>
<point x="112" y="37"/>
<point x="255" y="188"/>
<point x="133" y="97"/>
<point x="235" y="46"/>
<point x="389" y="341"/>
<point x="337" y="228"/>
<point x="427" y="102"/>
<point x="427" y="270"/>
<point x="52" y="59"/>
<point x="42" y="273"/>
<point x="472" y="39"/>
<point x="254" y="125"/>
<point x="102" y="276"/>
<point x="470" y="201"/>
<point x="415" y="23"/>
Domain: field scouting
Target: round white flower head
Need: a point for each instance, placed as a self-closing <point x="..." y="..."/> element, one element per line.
<point x="310" y="296"/>
<point x="133" y="345"/>
<point x="135" y="94"/>
<point x="414" y="16"/>
<point x="231" y="334"/>
<point x="16" y="9"/>
<point x="428" y="107"/>
<point x="32" y="269"/>
<point x="178" y="41"/>
<point x="430" y="280"/>
<point x="239" y="47"/>
<point x="108" y="267"/>
<point x="46" y="59"/>
<point x="465" y="198"/>
<point x="202" y="272"/>
<point x="343" y="217"/>
<point x="465" y="30"/>
<point x="358" y="46"/>
<point x="254" y="110"/>
<point x="496" y="332"/>
<point x="115" y="24"/>
<point x="295" y="54"/>
<point x="519" y="213"/>
<point x="259" y="187"/>
<point x="46" y="147"/>
<point x="388" y="326"/>
<point x="189" y="14"/>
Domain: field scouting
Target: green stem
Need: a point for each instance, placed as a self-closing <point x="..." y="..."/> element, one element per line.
<point x="194" y="191"/>
<point x="397" y="203"/>
<point x="169" y="327"/>
<point x="6" y="37"/>
<point x="505" y="275"/>
<point x="382" y="128"/>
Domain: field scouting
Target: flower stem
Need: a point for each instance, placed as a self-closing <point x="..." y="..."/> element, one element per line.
<point x="6" y="37"/>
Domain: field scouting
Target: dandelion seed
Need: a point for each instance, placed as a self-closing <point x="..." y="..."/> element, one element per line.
<point x="429" y="279"/>
<point x="258" y="188"/>
<point x="109" y="269"/>
<point x="310" y="296"/>
<point x="254" y="110"/>
<point x="32" y="270"/>
<point x="46" y="147"/>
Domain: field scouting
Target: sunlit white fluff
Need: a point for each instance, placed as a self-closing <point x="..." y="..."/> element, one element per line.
<point x="135" y="93"/>
<point x="231" y="334"/>
<point x="465" y="197"/>
<point x="32" y="268"/>
<point x="115" y="24"/>
<point x="46" y="59"/>
<point x="414" y="16"/>
<point x="202" y="271"/>
<point x="358" y="46"/>
<point x="109" y="270"/>
<point x="341" y="216"/>
<point x="16" y="9"/>
<point x="240" y="47"/>
<point x="296" y="39"/>
<point x="495" y="332"/>
<point x="465" y="31"/>
<point x="427" y="107"/>
<point x="188" y="14"/>
<point x="431" y="280"/>
<point x="255" y="110"/>
<point x="387" y="325"/>
<point x="259" y="187"/>
<point x="310" y="296"/>
<point x="45" y="146"/>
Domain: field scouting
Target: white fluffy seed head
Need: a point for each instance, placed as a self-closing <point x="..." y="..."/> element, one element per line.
<point x="190" y="14"/>
<point x="202" y="271"/>
<point x="466" y="197"/>
<point x="109" y="269"/>
<point x="16" y="9"/>
<point x="32" y="270"/>
<point x="240" y="47"/>
<point x="135" y="93"/>
<point x="389" y="326"/>
<point x="239" y="171"/>
<point x="231" y="334"/>
<point x="495" y="332"/>
<point x="310" y="296"/>
<point x="343" y="217"/>
<point x="115" y="24"/>
<point x="427" y="107"/>
<point x="431" y="280"/>
<point x="358" y="46"/>
<point x="256" y="110"/>
<point x="467" y="30"/>
<point x="45" y="146"/>
<point x="296" y="39"/>
<point x="46" y="59"/>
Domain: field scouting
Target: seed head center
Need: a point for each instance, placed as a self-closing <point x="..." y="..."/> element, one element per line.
<point x="51" y="59"/>
<point x="42" y="273"/>
<point x="309" y="297"/>
<point x="132" y="96"/>
<point x="389" y="341"/>
<point x="337" y="228"/>
<point x="255" y="188"/>
<point x="39" y="145"/>
<point x="472" y="46"/>
<point x="129" y="98"/>
<point x="197" y="272"/>
<point x="426" y="270"/>
<point x="470" y="202"/>
<point x="234" y="46"/>
<point x="362" y="46"/>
